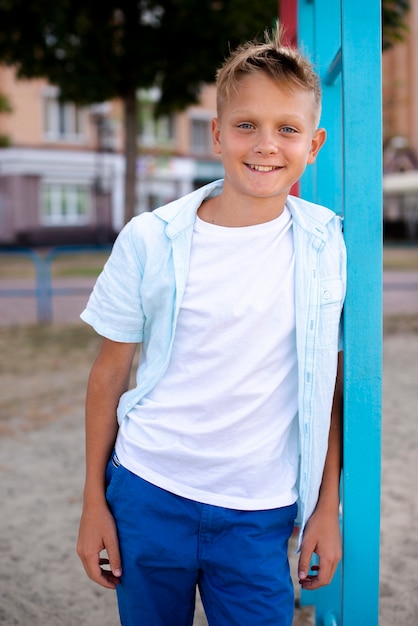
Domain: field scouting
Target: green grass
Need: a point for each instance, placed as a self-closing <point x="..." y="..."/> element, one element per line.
<point x="63" y="266"/>
<point x="87" y="265"/>
<point x="16" y="267"/>
<point x="400" y="257"/>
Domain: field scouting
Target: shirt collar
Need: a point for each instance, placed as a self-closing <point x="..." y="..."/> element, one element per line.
<point x="181" y="213"/>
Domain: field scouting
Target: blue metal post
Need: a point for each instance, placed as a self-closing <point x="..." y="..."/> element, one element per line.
<point x="306" y="42"/>
<point x="43" y="289"/>
<point x="327" y="29"/>
<point x="344" y="39"/>
<point x="319" y="35"/>
<point x="362" y="192"/>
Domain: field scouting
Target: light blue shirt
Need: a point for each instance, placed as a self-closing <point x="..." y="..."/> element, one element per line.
<point x="138" y="295"/>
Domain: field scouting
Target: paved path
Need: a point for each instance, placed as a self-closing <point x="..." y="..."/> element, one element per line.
<point x="400" y="292"/>
<point x="23" y="309"/>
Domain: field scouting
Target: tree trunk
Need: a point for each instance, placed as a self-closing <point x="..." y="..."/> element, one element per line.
<point x="131" y="132"/>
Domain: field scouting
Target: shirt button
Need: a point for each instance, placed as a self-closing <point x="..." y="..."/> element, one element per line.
<point x="326" y="295"/>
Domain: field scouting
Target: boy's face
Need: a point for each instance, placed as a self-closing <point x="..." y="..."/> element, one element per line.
<point x="266" y="135"/>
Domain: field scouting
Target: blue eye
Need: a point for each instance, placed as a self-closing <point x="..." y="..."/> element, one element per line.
<point x="288" y="129"/>
<point x="245" y="125"/>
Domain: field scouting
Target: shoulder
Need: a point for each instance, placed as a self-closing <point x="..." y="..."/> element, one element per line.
<point x="141" y="231"/>
<point x="315" y="219"/>
<point x="169" y="219"/>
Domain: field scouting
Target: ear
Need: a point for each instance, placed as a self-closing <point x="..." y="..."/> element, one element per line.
<point x="216" y="136"/>
<point x="318" y="141"/>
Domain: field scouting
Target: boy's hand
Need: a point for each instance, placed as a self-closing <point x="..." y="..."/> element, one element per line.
<point x="322" y="536"/>
<point x="97" y="533"/>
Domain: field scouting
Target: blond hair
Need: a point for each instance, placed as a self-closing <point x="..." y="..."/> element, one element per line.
<point x="283" y="64"/>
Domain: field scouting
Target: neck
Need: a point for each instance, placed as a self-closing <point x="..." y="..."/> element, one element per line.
<point x="238" y="211"/>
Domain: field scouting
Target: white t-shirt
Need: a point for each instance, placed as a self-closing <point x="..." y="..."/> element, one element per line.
<point x="221" y="425"/>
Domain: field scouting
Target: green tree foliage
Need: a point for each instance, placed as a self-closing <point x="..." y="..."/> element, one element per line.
<point x="394" y="14"/>
<point x="96" y="50"/>
<point x="5" y="107"/>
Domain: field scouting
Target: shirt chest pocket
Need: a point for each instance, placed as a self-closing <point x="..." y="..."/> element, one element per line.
<point x="330" y="305"/>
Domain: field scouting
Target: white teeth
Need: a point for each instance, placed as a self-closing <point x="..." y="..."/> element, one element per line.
<point x="263" y="168"/>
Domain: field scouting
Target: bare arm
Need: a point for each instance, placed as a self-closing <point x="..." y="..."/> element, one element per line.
<point x="322" y="534"/>
<point x="109" y="378"/>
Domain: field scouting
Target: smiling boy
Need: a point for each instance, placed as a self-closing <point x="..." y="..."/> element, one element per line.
<point x="195" y="477"/>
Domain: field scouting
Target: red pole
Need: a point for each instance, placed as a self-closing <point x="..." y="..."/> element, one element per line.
<point x="288" y="11"/>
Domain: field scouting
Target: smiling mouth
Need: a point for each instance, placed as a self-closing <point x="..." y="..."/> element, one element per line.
<point x="263" y="168"/>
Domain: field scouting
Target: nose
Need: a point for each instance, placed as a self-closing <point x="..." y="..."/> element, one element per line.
<point x="266" y="144"/>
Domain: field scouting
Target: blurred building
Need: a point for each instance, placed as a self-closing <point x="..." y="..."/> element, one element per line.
<point x="400" y="131"/>
<point x="62" y="166"/>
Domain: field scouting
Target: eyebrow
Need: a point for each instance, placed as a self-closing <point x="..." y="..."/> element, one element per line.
<point x="286" y="114"/>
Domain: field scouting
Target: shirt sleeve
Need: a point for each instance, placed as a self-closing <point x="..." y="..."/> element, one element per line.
<point x="114" y="308"/>
<point x="341" y="335"/>
<point x="343" y="270"/>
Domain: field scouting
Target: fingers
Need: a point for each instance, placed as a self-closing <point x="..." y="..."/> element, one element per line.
<point x="313" y="579"/>
<point x="317" y="576"/>
<point x="99" y="570"/>
<point x="114" y="559"/>
<point x="320" y="573"/>
<point x="109" y="576"/>
<point x="304" y="563"/>
<point x="101" y="565"/>
<point x="98" y="547"/>
<point x="322" y="537"/>
<point x="305" y="559"/>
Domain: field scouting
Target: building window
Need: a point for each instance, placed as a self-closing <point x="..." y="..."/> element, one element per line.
<point x="65" y="204"/>
<point x="153" y="132"/>
<point x="63" y="121"/>
<point x="201" y="142"/>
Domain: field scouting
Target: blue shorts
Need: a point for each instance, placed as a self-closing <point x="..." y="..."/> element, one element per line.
<point x="171" y="545"/>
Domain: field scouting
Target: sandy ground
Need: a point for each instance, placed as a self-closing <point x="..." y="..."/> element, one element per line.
<point x="43" y="376"/>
